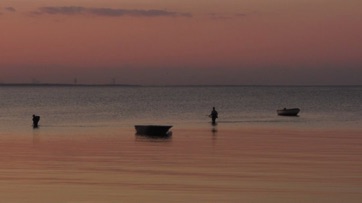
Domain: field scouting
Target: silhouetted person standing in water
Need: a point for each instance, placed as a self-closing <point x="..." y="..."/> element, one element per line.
<point x="213" y="115"/>
<point x="36" y="120"/>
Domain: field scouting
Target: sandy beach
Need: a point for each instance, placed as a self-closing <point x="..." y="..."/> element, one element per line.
<point x="193" y="165"/>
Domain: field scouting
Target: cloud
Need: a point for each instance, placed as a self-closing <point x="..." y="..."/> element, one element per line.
<point x="218" y="16"/>
<point x="7" y="10"/>
<point x="10" y="9"/>
<point x="134" y="12"/>
<point x="240" y="15"/>
<point x="69" y="10"/>
<point x="108" y="12"/>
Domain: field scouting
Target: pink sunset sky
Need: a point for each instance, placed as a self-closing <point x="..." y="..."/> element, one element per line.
<point x="169" y="42"/>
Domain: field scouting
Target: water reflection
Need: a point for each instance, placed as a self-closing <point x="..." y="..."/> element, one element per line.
<point x="153" y="138"/>
<point x="214" y="133"/>
<point x="214" y="128"/>
<point x="203" y="163"/>
<point x="36" y="136"/>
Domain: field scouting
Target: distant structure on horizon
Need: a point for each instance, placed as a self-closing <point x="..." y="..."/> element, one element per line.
<point x="113" y="81"/>
<point x="35" y="81"/>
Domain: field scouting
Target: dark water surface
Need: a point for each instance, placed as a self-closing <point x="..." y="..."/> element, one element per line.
<point x="86" y="150"/>
<point x="89" y="106"/>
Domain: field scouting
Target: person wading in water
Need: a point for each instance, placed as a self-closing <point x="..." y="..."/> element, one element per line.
<point x="213" y="115"/>
<point x="36" y="121"/>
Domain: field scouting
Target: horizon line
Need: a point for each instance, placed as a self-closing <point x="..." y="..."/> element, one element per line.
<point x="191" y="85"/>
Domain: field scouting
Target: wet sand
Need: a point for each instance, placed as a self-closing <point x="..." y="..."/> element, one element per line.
<point x="193" y="165"/>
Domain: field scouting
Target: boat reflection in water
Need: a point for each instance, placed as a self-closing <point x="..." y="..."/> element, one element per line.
<point x="161" y="131"/>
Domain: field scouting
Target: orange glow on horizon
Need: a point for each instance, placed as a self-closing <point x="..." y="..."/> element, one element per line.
<point x="161" y="34"/>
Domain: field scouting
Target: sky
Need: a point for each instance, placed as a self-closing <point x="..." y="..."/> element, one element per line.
<point x="170" y="42"/>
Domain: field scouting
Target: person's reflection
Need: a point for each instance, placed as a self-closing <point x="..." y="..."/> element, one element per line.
<point x="36" y="137"/>
<point x="214" y="128"/>
<point x="214" y="133"/>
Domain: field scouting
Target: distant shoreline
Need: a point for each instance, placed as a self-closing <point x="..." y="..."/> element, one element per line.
<point x="64" y="85"/>
<point x="132" y="85"/>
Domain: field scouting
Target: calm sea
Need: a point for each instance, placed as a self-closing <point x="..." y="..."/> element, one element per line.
<point x="182" y="107"/>
<point x="86" y="150"/>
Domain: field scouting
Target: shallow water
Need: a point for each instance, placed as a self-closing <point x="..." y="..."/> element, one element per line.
<point x="97" y="106"/>
<point x="86" y="150"/>
<point x="211" y="164"/>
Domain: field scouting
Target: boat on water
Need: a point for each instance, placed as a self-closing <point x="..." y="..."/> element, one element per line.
<point x="288" y="112"/>
<point x="153" y="130"/>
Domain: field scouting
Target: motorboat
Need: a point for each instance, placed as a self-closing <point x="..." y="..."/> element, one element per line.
<point x="153" y="130"/>
<point x="288" y="112"/>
